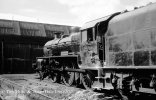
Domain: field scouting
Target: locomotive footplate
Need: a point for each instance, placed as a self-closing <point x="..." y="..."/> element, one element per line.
<point x="74" y="70"/>
<point x="68" y="70"/>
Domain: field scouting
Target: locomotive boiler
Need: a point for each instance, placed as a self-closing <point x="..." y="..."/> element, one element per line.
<point x="65" y="45"/>
<point x="114" y="52"/>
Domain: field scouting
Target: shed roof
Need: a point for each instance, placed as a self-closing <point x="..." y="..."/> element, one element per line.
<point x="12" y="27"/>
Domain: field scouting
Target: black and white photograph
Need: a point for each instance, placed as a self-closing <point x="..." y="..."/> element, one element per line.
<point x="77" y="49"/>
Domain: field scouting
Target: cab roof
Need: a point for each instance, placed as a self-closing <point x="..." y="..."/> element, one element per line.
<point x="92" y="23"/>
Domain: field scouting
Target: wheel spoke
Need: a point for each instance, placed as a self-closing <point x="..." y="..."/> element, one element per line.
<point x="68" y="77"/>
<point x="40" y="73"/>
<point x="87" y="81"/>
<point x="54" y="77"/>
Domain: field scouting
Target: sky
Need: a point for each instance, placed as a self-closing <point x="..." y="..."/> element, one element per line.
<point x="64" y="12"/>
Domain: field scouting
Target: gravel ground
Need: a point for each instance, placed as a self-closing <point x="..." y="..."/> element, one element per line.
<point x="55" y="90"/>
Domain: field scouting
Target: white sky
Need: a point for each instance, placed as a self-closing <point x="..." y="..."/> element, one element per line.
<point x="66" y="12"/>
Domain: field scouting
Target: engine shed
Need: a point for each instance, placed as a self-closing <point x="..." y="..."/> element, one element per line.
<point x="21" y="42"/>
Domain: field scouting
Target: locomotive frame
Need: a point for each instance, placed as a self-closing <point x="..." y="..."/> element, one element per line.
<point x="114" y="52"/>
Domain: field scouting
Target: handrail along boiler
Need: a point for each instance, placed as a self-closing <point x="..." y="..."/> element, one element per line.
<point x="114" y="52"/>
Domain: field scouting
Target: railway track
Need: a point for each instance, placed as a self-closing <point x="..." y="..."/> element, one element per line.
<point x="28" y="87"/>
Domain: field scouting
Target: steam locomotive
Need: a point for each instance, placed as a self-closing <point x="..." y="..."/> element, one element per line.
<point x="114" y="52"/>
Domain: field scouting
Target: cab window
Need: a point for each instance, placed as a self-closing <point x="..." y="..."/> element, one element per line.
<point x="87" y="35"/>
<point x="90" y="34"/>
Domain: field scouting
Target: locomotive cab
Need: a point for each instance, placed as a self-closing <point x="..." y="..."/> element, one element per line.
<point x="89" y="48"/>
<point x="92" y="48"/>
<point x="92" y="52"/>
